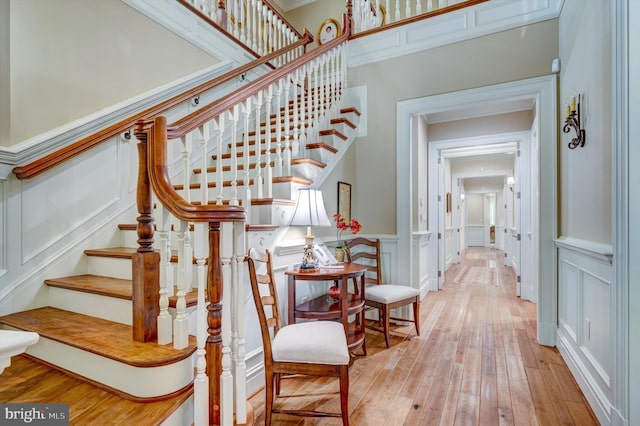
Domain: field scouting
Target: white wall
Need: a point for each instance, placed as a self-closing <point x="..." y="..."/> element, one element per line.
<point x="467" y="64"/>
<point x="585" y="53"/>
<point x="586" y="304"/>
<point x="71" y="58"/>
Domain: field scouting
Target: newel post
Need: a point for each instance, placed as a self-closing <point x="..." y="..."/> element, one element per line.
<point x="214" y="322"/>
<point x="145" y="261"/>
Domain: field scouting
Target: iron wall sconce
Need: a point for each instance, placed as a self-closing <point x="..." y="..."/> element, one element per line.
<point x="572" y="121"/>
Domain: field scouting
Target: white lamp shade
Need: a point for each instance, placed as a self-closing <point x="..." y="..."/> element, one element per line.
<point x="309" y="209"/>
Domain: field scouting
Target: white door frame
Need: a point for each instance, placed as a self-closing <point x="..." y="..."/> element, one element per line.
<point x="544" y="91"/>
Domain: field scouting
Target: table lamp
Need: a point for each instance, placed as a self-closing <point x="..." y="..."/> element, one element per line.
<point x="309" y="212"/>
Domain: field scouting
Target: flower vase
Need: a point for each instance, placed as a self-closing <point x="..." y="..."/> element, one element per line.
<point x="340" y="254"/>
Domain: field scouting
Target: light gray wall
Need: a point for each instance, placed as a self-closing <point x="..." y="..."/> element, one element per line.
<point x="585" y="182"/>
<point x="314" y="14"/>
<point x="633" y="304"/>
<point x="481" y="126"/>
<point x="5" y="93"/>
<point x="502" y="57"/>
<point x="71" y="58"/>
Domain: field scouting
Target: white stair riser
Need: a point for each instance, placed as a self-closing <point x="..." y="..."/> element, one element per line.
<point x="95" y="305"/>
<point x="182" y="415"/>
<point x="139" y="382"/>
<point x="109" y="267"/>
<point x="121" y="268"/>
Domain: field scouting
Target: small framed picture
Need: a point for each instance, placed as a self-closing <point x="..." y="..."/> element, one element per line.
<point x="329" y="30"/>
<point x="344" y="201"/>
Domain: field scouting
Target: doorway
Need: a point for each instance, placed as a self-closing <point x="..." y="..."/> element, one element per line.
<point x="411" y="158"/>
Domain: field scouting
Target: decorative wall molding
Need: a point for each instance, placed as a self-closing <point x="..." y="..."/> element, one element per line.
<point x="597" y="251"/>
<point x="48" y="142"/>
<point x="463" y="24"/>
<point x="585" y="328"/>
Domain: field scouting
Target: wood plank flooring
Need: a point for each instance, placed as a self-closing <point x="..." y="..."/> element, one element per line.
<point x="476" y="363"/>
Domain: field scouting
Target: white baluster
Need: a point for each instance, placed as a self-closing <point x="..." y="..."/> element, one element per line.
<point x="186" y="153"/>
<point x="219" y="128"/>
<point x="165" y="331"/>
<point x="203" y="134"/>
<point x="429" y="5"/>
<point x="239" y="333"/>
<point x="258" y="146"/>
<point x="407" y="9"/>
<point x="278" y="162"/>
<point x="397" y="15"/>
<point x="201" y="381"/>
<point x="287" y="128"/>
<point x="269" y="30"/>
<point x="226" y="378"/>
<point x="187" y="272"/>
<point x="180" y="323"/>
<point x="387" y="14"/>
<point x="233" y="116"/>
<point x="255" y="25"/>
<point x="268" y="178"/>
<point x="418" y="7"/>
<point x="246" y="111"/>
<point x="309" y="109"/>
<point x="296" y="131"/>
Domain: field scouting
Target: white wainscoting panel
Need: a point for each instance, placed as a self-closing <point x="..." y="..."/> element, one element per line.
<point x="475" y="236"/>
<point x="585" y="330"/>
<point x="421" y="262"/>
<point x="451" y="247"/>
<point x="462" y="24"/>
<point x="56" y="204"/>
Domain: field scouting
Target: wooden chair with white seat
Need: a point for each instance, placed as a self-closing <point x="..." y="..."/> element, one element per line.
<point x="378" y="295"/>
<point x="314" y="348"/>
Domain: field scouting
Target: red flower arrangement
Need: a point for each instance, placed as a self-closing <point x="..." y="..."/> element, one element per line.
<point x="354" y="226"/>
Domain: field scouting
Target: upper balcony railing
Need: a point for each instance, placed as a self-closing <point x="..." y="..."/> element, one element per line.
<point x="372" y="16"/>
<point x="254" y="23"/>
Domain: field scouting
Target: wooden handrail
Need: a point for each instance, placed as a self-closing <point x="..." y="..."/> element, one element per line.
<point x="209" y="112"/>
<point x="153" y="133"/>
<point x="417" y="18"/>
<point x="227" y="34"/>
<point x="58" y="157"/>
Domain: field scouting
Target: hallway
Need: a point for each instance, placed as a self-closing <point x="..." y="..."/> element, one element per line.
<point x="476" y="363"/>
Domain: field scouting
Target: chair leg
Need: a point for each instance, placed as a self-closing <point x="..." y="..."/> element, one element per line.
<point x="416" y="316"/>
<point x="344" y="394"/>
<point x="268" y="399"/>
<point x="277" y="378"/>
<point x="385" y="325"/>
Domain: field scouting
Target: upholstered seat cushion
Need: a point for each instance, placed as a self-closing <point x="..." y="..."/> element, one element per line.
<point x="313" y="342"/>
<point x="389" y="293"/>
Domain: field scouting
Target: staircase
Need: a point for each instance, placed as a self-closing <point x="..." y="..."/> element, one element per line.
<point x="86" y="329"/>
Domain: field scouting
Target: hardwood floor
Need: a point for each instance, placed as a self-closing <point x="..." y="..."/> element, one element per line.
<point x="476" y="363"/>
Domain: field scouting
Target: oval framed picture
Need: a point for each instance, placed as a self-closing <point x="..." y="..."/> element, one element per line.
<point x="329" y="30"/>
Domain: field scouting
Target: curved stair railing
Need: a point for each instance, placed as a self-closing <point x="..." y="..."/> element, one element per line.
<point x="222" y="153"/>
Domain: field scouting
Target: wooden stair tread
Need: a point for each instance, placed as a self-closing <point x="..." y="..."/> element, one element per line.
<point x="111" y="287"/>
<point x="101" y="337"/>
<point x="28" y="381"/>
<point x="114" y="252"/>
<point x="95" y="284"/>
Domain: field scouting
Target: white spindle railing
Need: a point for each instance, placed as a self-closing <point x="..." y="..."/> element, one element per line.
<point x="296" y="101"/>
<point x="254" y="23"/>
<point x="369" y="14"/>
